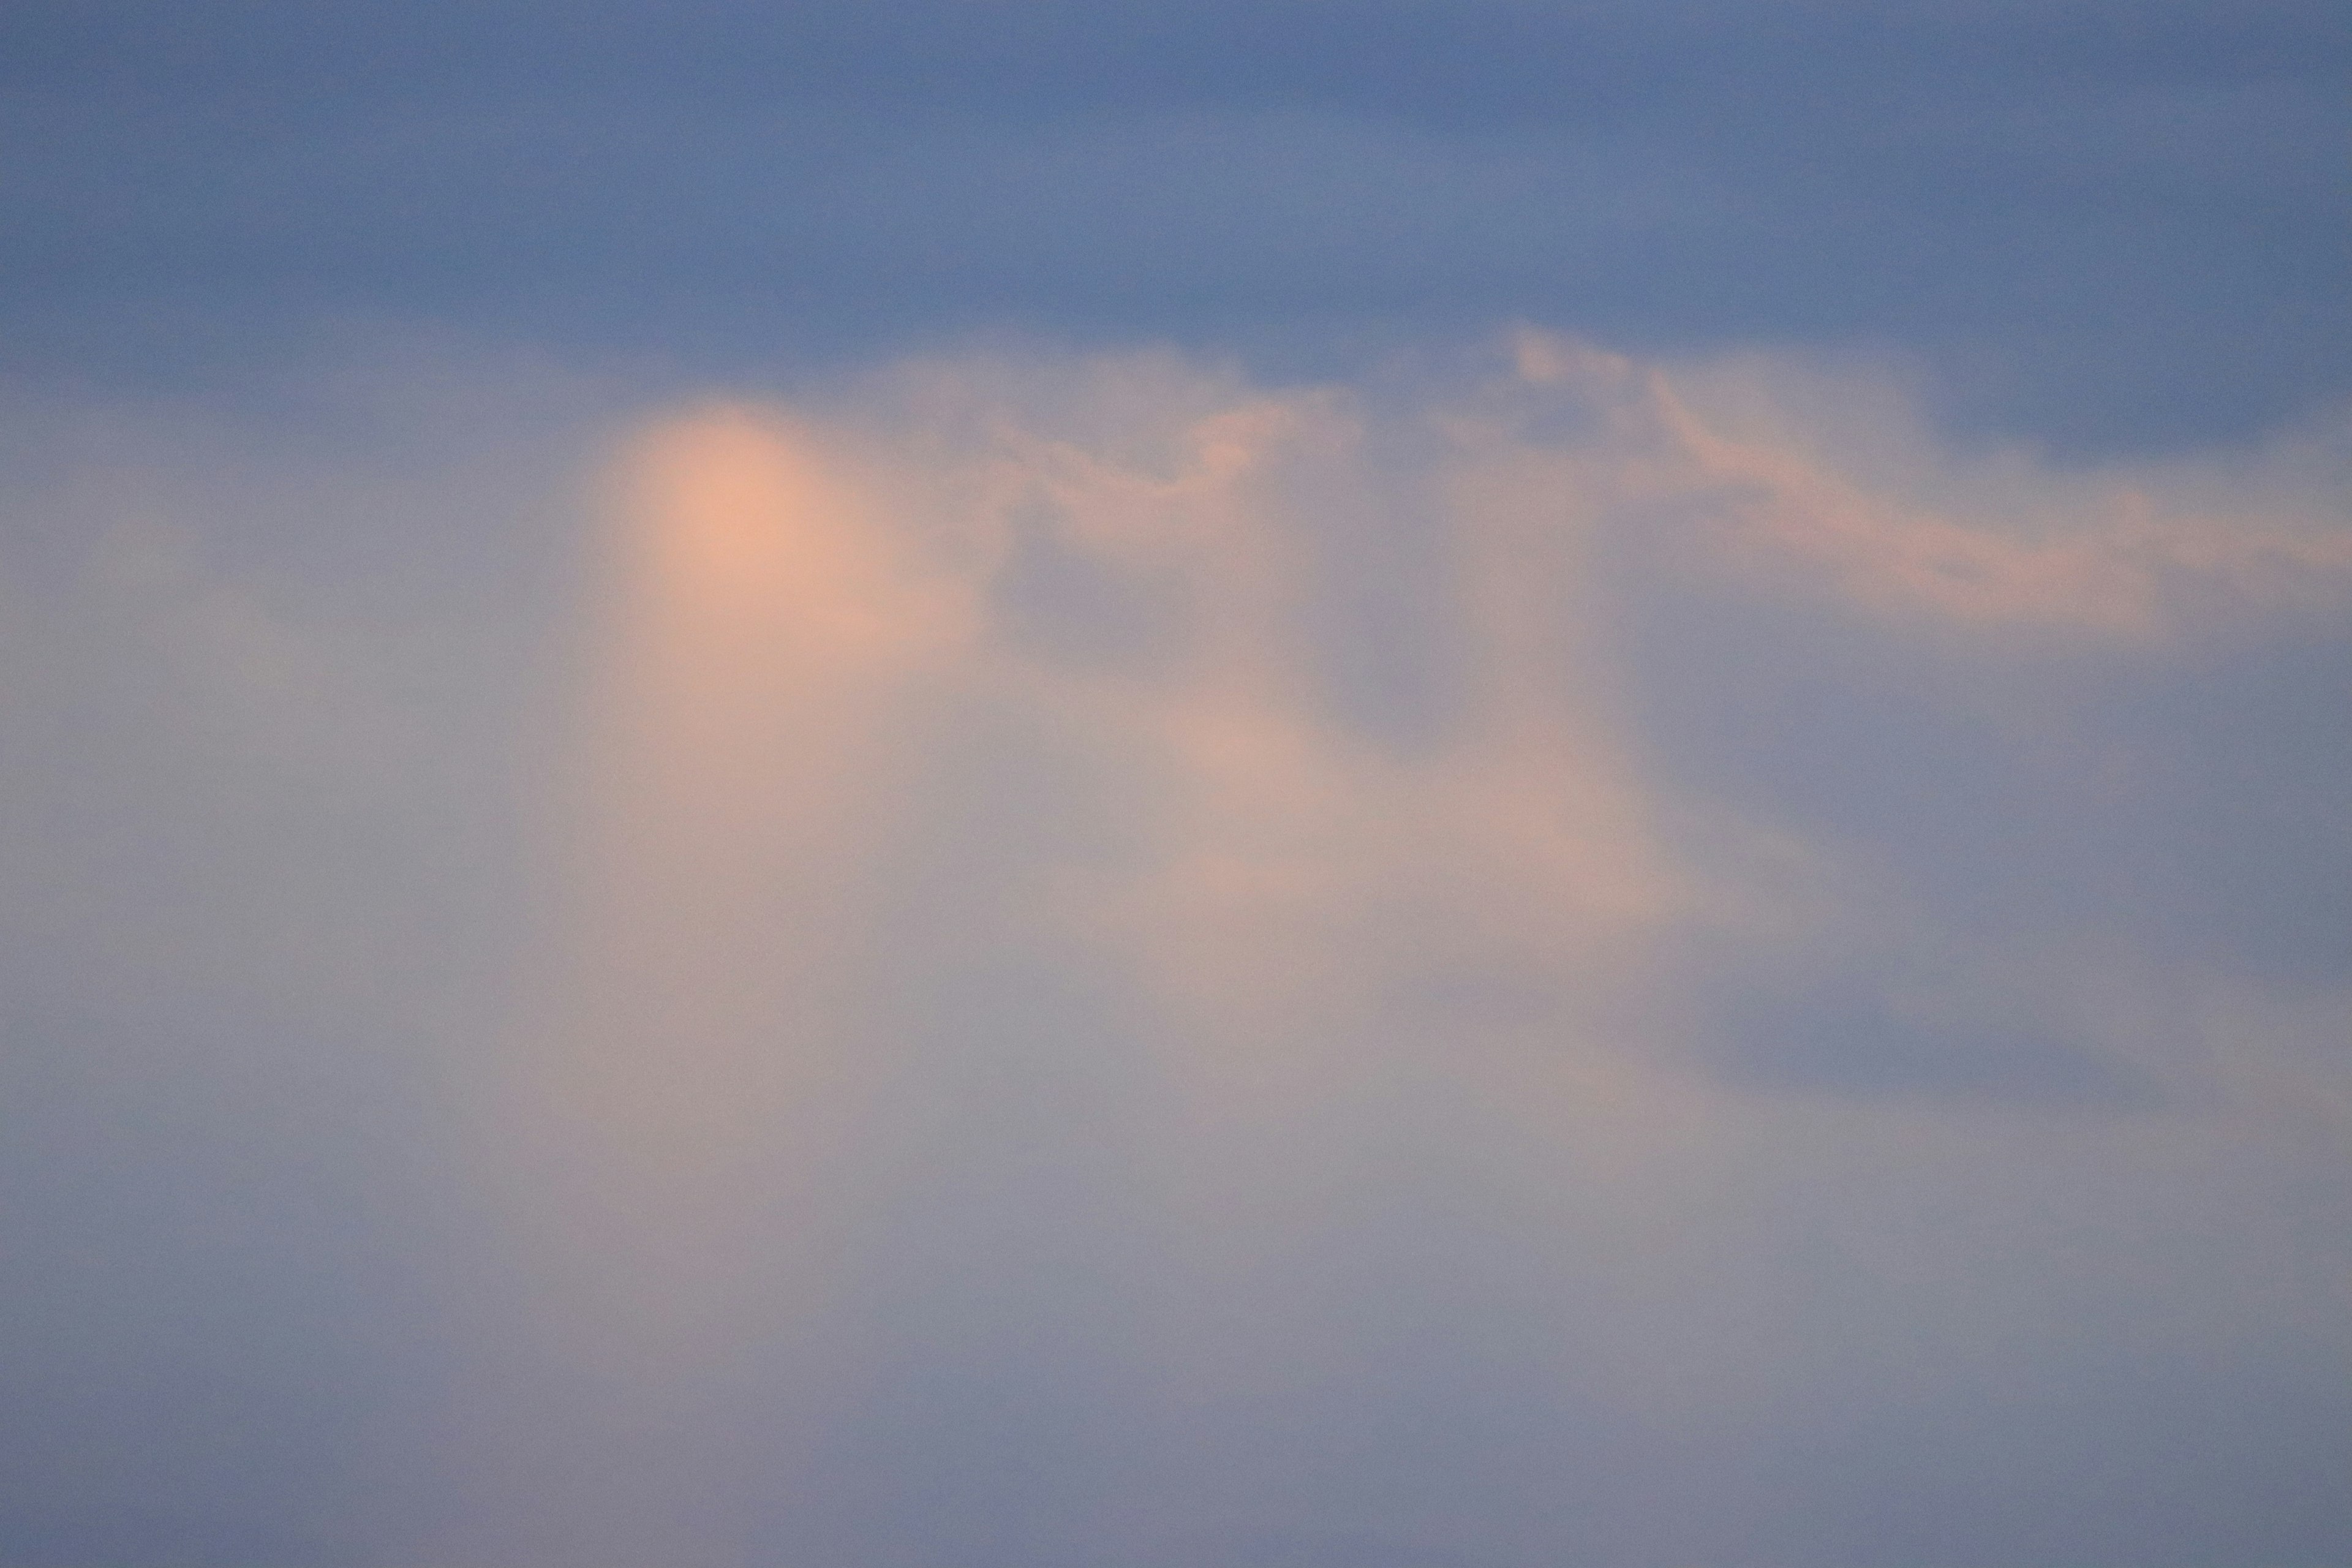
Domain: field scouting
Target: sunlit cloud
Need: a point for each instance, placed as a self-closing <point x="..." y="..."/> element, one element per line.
<point x="1118" y="962"/>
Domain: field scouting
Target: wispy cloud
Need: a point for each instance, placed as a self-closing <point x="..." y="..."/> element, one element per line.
<point x="1042" y="959"/>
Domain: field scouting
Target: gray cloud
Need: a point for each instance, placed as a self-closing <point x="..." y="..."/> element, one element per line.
<point x="1092" y="959"/>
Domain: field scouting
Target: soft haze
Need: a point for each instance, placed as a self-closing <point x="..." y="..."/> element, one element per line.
<point x="1334" y="786"/>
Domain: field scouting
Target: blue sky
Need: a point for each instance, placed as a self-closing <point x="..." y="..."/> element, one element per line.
<point x="2043" y="205"/>
<point x="1314" y="786"/>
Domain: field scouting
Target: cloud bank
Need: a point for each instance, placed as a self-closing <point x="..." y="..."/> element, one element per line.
<point x="1031" y="959"/>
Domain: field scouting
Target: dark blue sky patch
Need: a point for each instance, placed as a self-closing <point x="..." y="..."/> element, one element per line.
<point x="2100" y="227"/>
<point x="1844" y="1040"/>
<point x="2027" y="781"/>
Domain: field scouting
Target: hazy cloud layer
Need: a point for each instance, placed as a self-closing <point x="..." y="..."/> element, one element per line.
<point x="1032" y="959"/>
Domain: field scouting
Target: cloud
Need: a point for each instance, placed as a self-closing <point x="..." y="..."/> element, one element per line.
<point x="2113" y="556"/>
<point x="1026" y="959"/>
<point x="2111" y="229"/>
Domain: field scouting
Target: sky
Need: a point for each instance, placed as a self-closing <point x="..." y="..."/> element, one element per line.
<point x="1329" y="785"/>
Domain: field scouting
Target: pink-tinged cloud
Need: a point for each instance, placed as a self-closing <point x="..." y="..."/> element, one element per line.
<point x="1281" y="861"/>
<point x="1102" y="919"/>
<point x="2111" y="556"/>
<point x="687" y="1060"/>
<point x="795" y="608"/>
